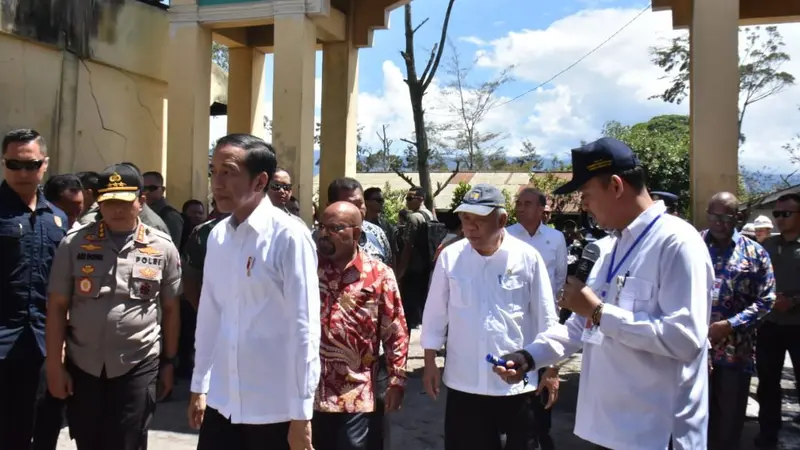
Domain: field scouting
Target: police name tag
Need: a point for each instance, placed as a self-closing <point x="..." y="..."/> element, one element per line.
<point x="592" y="335"/>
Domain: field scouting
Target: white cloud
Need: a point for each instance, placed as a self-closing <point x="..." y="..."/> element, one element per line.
<point x="614" y="83"/>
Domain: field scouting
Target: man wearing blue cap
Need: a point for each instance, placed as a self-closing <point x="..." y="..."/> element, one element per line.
<point x="490" y="294"/>
<point x="642" y="322"/>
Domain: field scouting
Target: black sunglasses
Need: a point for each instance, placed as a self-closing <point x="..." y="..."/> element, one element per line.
<point x="280" y="187"/>
<point x="31" y="165"/>
<point x="784" y="214"/>
<point x="151" y="188"/>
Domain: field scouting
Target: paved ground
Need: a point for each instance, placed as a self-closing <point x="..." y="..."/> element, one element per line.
<point x="419" y="425"/>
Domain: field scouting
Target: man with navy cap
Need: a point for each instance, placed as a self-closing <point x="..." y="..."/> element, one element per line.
<point x="490" y="293"/>
<point x="642" y="323"/>
<point x="670" y="201"/>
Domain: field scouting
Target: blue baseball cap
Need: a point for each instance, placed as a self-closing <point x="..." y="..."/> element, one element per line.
<point x="605" y="155"/>
<point x="482" y="200"/>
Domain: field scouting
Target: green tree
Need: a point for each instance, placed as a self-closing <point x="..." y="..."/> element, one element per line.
<point x="219" y="56"/>
<point x="760" y="62"/>
<point x="547" y="183"/>
<point x="394" y="202"/>
<point x="662" y="145"/>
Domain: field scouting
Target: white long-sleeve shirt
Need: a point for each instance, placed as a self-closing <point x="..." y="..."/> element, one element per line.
<point x="648" y="378"/>
<point x="258" y="325"/>
<point x="486" y="304"/>
<point x="552" y="246"/>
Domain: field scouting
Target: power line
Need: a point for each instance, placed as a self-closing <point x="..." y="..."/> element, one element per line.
<point x="566" y="69"/>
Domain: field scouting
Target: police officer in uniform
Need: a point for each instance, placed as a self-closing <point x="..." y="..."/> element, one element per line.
<point x="112" y="277"/>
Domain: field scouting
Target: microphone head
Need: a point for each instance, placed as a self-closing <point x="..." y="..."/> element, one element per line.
<point x="591" y="252"/>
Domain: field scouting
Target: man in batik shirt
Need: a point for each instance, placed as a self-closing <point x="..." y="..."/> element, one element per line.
<point x="360" y="308"/>
<point x="743" y="292"/>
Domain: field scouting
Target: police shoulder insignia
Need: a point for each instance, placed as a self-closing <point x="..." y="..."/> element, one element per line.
<point x="148" y="273"/>
<point x="58" y="221"/>
<point x="150" y="251"/>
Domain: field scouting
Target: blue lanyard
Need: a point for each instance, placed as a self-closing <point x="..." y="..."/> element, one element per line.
<point x="612" y="271"/>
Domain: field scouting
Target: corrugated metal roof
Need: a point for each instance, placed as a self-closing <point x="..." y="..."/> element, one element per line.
<point x="510" y="181"/>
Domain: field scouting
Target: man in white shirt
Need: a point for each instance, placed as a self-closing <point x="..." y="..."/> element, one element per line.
<point x="642" y="322"/>
<point x="258" y="329"/>
<point x="490" y="293"/>
<point x="551" y="245"/>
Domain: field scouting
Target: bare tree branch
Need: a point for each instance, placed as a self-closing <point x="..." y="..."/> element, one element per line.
<point x="440" y="186"/>
<point x="430" y="71"/>
<point x="405" y="177"/>
<point x="408" y="141"/>
<point x="419" y="26"/>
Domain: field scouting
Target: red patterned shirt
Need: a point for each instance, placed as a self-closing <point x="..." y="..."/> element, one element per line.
<point x="353" y="302"/>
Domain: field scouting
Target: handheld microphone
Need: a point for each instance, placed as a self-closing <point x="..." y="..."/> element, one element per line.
<point x="590" y="255"/>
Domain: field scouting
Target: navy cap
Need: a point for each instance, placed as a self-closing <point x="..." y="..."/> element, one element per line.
<point x="482" y="200"/>
<point x="605" y="155"/>
<point x="668" y="197"/>
<point x="119" y="182"/>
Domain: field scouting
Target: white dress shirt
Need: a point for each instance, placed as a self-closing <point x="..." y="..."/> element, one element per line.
<point x="550" y="243"/>
<point x="486" y="304"/>
<point x="258" y="326"/>
<point x="648" y="377"/>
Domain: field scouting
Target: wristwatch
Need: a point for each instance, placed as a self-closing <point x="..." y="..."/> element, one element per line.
<point x="167" y="360"/>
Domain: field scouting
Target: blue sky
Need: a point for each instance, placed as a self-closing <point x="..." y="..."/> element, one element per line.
<point x="540" y="38"/>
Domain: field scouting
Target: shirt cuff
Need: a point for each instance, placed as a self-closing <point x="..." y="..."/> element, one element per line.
<point x="613" y="318"/>
<point x="171" y="288"/>
<point x="429" y="342"/>
<point x="735" y="321"/>
<point x="201" y="382"/>
<point x="301" y="409"/>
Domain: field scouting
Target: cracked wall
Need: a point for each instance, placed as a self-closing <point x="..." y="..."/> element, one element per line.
<point x="95" y="110"/>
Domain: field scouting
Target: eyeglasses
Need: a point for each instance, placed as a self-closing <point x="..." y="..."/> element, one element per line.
<point x="280" y="187"/>
<point x="782" y="214"/>
<point x="333" y="228"/>
<point x="151" y="188"/>
<point x="724" y="218"/>
<point x="31" y="165"/>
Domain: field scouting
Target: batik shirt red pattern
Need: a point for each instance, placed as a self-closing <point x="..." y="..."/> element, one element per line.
<point x="353" y="300"/>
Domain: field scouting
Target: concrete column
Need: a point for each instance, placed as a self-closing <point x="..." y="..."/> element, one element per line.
<point x="339" y="124"/>
<point x="246" y="91"/>
<point x="714" y="102"/>
<point x="293" y="103"/>
<point x="189" y="95"/>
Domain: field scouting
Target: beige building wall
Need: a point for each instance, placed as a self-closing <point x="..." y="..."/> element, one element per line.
<point x="105" y="106"/>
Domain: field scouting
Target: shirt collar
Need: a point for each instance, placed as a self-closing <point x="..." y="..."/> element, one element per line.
<point x="140" y="234"/>
<point x="356" y="265"/>
<point x="41" y="203"/>
<point x="260" y="216"/>
<point x="645" y="218"/>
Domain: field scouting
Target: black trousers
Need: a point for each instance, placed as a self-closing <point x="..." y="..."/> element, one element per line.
<point x="773" y="341"/>
<point x="22" y="388"/>
<point x="476" y="421"/>
<point x="414" y="293"/>
<point x="218" y="433"/>
<point x="379" y="425"/>
<point x="341" y="431"/>
<point x="186" y="340"/>
<point x="544" y="417"/>
<point x="112" y="413"/>
<point x="727" y="405"/>
<point x="49" y="420"/>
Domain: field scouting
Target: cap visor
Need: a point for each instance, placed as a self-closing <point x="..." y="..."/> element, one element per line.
<point x="125" y="196"/>
<point x="568" y="187"/>
<point x="479" y="210"/>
